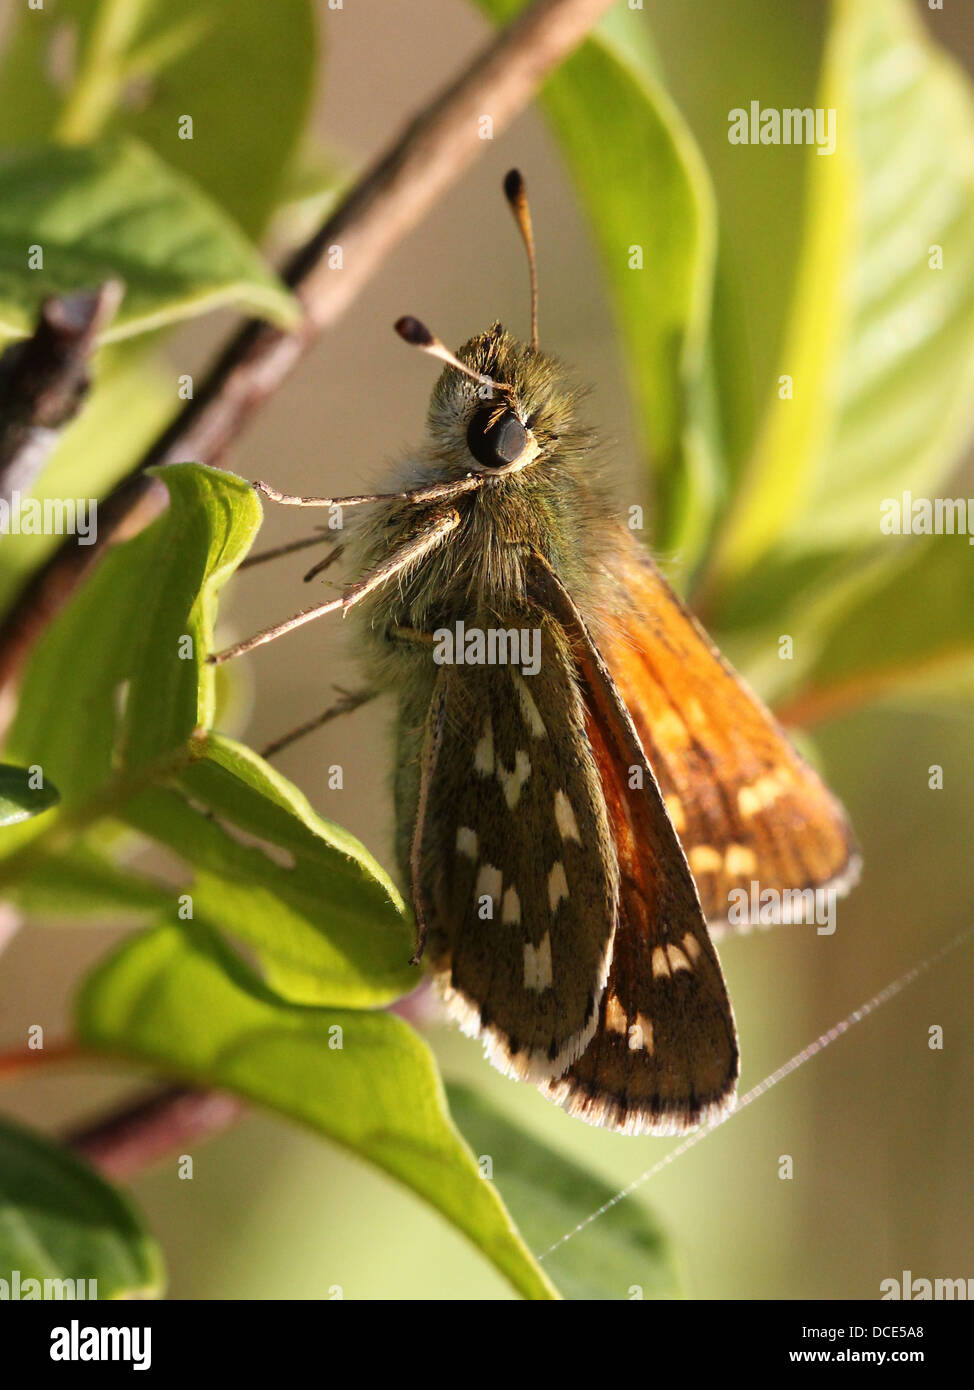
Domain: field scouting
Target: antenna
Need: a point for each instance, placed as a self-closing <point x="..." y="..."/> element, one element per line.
<point x="416" y="334"/>
<point x="517" y="196"/>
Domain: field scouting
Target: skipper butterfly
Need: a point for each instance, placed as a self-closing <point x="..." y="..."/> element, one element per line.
<point x="582" y="782"/>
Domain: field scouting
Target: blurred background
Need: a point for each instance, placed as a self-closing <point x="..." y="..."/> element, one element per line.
<point x="880" y="1127"/>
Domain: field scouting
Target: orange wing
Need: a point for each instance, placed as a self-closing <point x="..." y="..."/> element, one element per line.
<point x="745" y="806"/>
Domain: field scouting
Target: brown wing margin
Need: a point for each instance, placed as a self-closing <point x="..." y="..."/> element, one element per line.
<point x="664" y="1057"/>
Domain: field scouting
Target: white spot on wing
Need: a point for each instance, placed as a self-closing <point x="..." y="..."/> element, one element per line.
<point x="670" y="729"/>
<point x="489" y="883"/>
<point x="557" y="885"/>
<point x="695" y="713"/>
<point x="691" y="945"/>
<point x="512" y="782"/>
<point x="511" y="908"/>
<point x="615" y="1015"/>
<point x="532" y="715"/>
<point x="740" y="861"/>
<point x="677" y="959"/>
<point x="467" y="842"/>
<point x="483" y="755"/>
<point x="704" y="859"/>
<point x="537" y="965"/>
<point x="641" y="1035"/>
<point x="759" y="794"/>
<point x="661" y="965"/>
<point x="565" y="818"/>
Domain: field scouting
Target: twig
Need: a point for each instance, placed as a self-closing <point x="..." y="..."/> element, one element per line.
<point x="128" y="1141"/>
<point x="843" y="694"/>
<point x="388" y="202"/>
<point x="131" y="1138"/>
<point x="44" y="380"/>
<point x="20" y="1060"/>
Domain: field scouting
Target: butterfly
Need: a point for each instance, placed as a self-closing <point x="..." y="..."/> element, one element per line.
<point x="581" y="781"/>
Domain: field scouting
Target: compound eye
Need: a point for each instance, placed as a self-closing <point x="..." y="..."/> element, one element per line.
<point x="496" y="438"/>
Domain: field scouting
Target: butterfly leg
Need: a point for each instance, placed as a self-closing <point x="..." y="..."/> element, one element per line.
<point x="412" y="636"/>
<point x="321" y="538"/>
<point x="350" y="700"/>
<point x="439" y="526"/>
<point x="324" y="563"/>
<point x="436" y="492"/>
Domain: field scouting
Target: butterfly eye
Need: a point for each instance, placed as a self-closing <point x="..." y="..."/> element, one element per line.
<point x="496" y="438"/>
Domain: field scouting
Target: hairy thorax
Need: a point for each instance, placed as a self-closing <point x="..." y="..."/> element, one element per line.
<point x="477" y="576"/>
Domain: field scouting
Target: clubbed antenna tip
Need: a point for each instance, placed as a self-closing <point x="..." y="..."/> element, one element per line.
<point x="415" y="333"/>
<point x="513" y="185"/>
<point x="517" y="196"/>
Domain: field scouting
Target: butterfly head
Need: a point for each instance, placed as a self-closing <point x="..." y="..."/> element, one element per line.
<point x="500" y="405"/>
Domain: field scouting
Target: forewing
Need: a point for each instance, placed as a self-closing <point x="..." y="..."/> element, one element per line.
<point x="514" y="870"/>
<point x="664" y="1056"/>
<point x="746" y="807"/>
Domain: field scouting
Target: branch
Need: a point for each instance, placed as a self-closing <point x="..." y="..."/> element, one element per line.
<point x="137" y="1134"/>
<point x="387" y="202"/>
<point x="20" y="1060"/>
<point x="44" y="380"/>
<point x="171" y="1121"/>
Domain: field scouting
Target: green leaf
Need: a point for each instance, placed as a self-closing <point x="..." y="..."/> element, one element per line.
<point x="59" y="1221"/>
<point x="126" y="662"/>
<point x="115" y="210"/>
<point x="715" y="59"/>
<point x="211" y="522"/>
<point x="548" y="1195"/>
<point x="327" y="922"/>
<point x="316" y="178"/>
<point x="20" y="799"/>
<point x="881" y="344"/>
<point x="84" y="883"/>
<point x="644" y="185"/>
<point x="79" y="70"/>
<point x="176" y="998"/>
<point x="900" y="629"/>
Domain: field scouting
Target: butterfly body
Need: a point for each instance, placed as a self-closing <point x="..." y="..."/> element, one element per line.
<point x="555" y="900"/>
